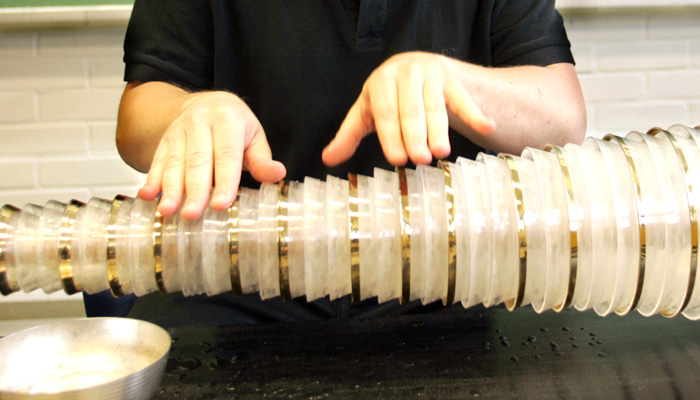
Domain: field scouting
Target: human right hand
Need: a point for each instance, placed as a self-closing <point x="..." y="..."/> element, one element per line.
<point x="213" y="138"/>
<point x="410" y="101"/>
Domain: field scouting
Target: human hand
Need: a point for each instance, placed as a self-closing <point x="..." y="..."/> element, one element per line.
<point x="214" y="137"/>
<point x="409" y="101"/>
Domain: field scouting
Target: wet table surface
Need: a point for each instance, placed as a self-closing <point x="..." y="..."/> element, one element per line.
<point x="468" y="354"/>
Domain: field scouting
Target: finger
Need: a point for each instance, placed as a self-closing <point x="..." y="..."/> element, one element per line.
<point x="198" y="169"/>
<point x="173" y="171"/>
<point x="460" y="103"/>
<point x="356" y="125"/>
<point x="259" y="162"/>
<point x="412" y="112"/>
<point x="151" y="188"/>
<point x="228" y="162"/>
<point x="383" y="101"/>
<point x="437" y="120"/>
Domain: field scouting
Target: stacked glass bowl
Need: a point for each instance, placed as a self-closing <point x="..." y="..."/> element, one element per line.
<point x="610" y="224"/>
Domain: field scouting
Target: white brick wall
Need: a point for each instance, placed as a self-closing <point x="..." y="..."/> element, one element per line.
<point x="59" y="94"/>
<point x="60" y="88"/>
<point x="638" y="68"/>
<point x="16" y="107"/>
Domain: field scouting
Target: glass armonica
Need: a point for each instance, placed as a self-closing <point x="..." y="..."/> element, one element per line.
<point x="609" y="225"/>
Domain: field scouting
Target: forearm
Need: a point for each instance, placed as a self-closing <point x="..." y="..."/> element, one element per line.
<point x="532" y="106"/>
<point x="145" y="112"/>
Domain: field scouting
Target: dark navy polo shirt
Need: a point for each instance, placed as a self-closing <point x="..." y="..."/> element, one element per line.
<point x="300" y="65"/>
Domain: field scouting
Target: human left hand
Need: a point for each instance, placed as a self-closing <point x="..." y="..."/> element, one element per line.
<point x="409" y="100"/>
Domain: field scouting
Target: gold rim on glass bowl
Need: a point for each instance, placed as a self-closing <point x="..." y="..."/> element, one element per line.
<point x="282" y="245"/>
<point x="158" y="251"/>
<point x="7" y="286"/>
<point x="354" y="210"/>
<point x="680" y="155"/>
<point x="512" y="304"/>
<point x="624" y="144"/>
<point x="233" y="247"/>
<point x="451" y="234"/>
<point x="573" y="232"/>
<point x="405" y="238"/>
<point x="112" y="275"/>
<point x="65" y="267"/>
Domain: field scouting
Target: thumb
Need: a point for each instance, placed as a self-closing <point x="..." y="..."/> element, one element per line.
<point x="355" y="127"/>
<point x="259" y="162"/>
<point x="461" y="104"/>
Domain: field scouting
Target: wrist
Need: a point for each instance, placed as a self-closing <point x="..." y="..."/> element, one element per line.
<point x="220" y="97"/>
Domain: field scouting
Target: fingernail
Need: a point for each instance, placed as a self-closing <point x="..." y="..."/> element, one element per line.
<point x="190" y="206"/>
<point x="219" y="198"/>
<point x="144" y="190"/>
<point x="164" y="203"/>
<point x="489" y="127"/>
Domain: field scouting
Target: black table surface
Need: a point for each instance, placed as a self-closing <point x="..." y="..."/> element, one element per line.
<point x="472" y="353"/>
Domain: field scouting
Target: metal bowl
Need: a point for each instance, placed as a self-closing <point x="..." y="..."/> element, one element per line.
<point x="90" y="358"/>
